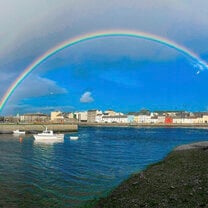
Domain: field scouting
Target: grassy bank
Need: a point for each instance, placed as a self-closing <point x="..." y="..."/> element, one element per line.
<point x="180" y="180"/>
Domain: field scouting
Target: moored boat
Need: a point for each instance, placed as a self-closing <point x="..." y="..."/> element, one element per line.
<point x="48" y="135"/>
<point x="74" y="137"/>
<point x="18" y="132"/>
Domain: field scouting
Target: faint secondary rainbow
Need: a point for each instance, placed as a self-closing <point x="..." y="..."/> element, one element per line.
<point x="100" y="34"/>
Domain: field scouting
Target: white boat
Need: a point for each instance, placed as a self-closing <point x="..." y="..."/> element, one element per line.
<point x="18" y="132"/>
<point x="48" y="135"/>
<point x="74" y="137"/>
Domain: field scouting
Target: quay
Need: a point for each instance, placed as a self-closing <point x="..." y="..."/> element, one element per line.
<point x="33" y="128"/>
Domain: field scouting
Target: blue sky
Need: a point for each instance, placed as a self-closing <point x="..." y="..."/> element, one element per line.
<point x="125" y="74"/>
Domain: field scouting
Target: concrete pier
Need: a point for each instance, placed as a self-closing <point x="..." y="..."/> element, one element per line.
<point x="31" y="128"/>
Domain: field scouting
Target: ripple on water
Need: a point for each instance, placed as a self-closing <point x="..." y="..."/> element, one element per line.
<point x="66" y="174"/>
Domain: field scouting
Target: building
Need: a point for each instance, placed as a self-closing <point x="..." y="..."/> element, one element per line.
<point x="154" y="119"/>
<point x="110" y="112"/>
<point x="161" y="119"/>
<point x="10" y="119"/>
<point x="130" y="118"/>
<point x="57" y="116"/>
<point x="99" y="118"/>
<point x="91" y="115"/>
<point x="81" y="116"/>
<point x="168" y="120"/>
<point x="205" y="118"/>
<point x="115" y="119"/>
<point x="34" y="117"/>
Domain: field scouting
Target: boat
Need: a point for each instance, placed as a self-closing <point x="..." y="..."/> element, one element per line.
<point x="74" y="137"/>
<point x="18" y="132"/>
<point x="48" y="135"/>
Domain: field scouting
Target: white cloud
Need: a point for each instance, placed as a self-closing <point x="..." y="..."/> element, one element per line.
<point x="86" y="98"/>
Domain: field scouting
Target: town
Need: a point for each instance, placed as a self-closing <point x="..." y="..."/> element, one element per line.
<point x="111" y="117"/>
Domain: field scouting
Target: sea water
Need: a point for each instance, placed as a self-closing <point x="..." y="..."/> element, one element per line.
<point x="68" y="173"/>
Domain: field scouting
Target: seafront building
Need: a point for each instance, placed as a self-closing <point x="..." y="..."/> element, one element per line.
<point x="81" y="116"/>
<point x="115" y="119"/>
<point x="91" y="115"/>
<point x="34" y="118"/>
<point x="57" y="116"/>
<point x="111" y="116"/>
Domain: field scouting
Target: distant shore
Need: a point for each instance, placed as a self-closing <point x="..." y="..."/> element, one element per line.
<point x="142" y="125"/>
<point x="32" y="128"/>
<point x="180" y="180"/>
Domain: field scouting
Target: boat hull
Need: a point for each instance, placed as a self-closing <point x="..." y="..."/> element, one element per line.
<point x="17" y="132"/>
<point x="58" y="137"/>
<point x="74" y="137"/>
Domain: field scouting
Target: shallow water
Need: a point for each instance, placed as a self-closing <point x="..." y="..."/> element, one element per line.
<point x="69" y="173"/>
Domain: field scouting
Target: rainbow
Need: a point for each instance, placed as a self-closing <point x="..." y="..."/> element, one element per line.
<point x="100" y="34"/>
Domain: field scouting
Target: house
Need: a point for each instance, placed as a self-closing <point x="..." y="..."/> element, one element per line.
<point x="205" y="118"/>
<point x="154" y="119"/>
<point x="168" y="120"/>
<point x="57" y="116"/>
<point x="99" y="118"/>
<point x="81" y="116"/>
<point x="91" y="115"/>
<point x="130" y="118"/>
<point x="143" y="116"/>
<point x="34" y="117"/>
<point x="161" y="119"/>
<point x="110" y="112"/>
<point x="115" y="119"/>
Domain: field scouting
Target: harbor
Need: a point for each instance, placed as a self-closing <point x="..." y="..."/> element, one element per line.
<point x="71" y="172"/>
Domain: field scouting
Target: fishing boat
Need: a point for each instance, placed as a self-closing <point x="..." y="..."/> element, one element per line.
<point x="48" y="135"/>
<point x="74" y="137"/>
<point x="18" y="132"/>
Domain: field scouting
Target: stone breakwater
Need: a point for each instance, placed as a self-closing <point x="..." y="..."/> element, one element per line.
<point x="31" y="128"/>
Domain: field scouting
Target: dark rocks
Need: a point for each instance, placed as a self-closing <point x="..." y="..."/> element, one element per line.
<point x="181" y="180"/>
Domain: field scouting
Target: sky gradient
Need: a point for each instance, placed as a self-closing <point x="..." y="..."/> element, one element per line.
<point x="122" y="73"/>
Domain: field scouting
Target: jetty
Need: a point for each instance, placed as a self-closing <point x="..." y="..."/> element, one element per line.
<point x="33" y="128"/>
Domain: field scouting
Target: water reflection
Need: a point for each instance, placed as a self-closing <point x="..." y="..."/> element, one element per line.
<point x="48" y="142"/>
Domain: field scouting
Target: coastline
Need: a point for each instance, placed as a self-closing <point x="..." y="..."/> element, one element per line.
<point x="73" y="127"/>
<point x="179" y="180"/>
<point x="201" y="126"/>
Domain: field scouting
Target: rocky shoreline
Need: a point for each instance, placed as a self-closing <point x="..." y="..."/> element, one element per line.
<point x="180" y="180"/>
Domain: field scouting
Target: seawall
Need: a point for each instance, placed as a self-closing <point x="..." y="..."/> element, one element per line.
<point x="31" y="128"/>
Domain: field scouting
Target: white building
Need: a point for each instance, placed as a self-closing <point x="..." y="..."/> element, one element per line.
<point x="161" y="119"/>
<point x="115" y="119"/>
<point x="81" y="116"/>
<point x="154" y="119"/>
<point x="144" y="118"/>
<point x="186" y="120"/>
<point x="99" y="118"/>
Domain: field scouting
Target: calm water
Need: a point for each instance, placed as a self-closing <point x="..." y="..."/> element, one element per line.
<point x="69" y="173"/>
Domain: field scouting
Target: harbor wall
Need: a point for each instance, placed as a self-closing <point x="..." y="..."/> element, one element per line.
<point x="31" y="128"/>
